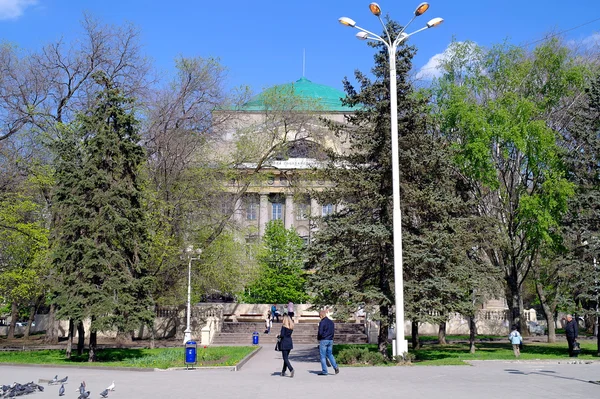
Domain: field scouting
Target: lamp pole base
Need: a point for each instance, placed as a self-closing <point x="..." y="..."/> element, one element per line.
<point x="187" y="335"/>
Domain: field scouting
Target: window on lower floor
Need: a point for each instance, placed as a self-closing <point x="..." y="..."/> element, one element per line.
<point x="327" y="210"/>
<point x="276" y="211"/>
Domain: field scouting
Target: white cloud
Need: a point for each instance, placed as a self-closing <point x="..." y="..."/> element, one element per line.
<point x="12" y="9"/>
<point x="433" y="68"/>
<point x="592" y="41"/>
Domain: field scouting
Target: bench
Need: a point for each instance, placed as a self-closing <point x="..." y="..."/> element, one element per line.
<point x="229" y="317"/>
<point x="251" y="317"/>
<point x="309" y="318"/>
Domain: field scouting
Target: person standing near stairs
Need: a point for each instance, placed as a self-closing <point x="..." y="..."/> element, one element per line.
<point x="325" y="338"/>
<point x="287" y="344"/>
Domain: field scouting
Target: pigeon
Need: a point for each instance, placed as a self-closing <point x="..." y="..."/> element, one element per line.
<point x="62" y="381"/>
<point x="81" y="388"/>
<point x="52" y="381"/>
<point x="61" y="391"/>
<point x="104" y="393"/>
<point x="84" y="395"/>
<point x="111" y="387"/>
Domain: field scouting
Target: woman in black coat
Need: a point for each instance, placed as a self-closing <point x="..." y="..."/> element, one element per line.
<point x="286" y="344"/>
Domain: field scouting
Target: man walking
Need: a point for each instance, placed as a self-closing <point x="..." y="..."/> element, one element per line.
<point x="325" y="337"/>
<point x="572" y="331"/>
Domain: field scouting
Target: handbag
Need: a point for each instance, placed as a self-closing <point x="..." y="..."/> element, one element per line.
<point x="278" y="344"/>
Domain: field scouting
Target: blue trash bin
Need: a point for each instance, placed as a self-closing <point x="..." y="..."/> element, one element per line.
<point x="190" y="353"/>
<point x="254" y="338"/>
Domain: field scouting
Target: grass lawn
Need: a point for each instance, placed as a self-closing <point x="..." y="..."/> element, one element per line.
<point x="161" y="358"/>
<point x="458" y="353"/>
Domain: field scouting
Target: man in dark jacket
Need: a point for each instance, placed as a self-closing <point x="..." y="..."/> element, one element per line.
<point x="325" y="337"/>
<point x="572" y="331"/>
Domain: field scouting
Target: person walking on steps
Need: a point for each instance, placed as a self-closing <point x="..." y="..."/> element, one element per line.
<point x="325" y="337"/>
<point x="268" y="323"/>
<point x="287" y="344"/>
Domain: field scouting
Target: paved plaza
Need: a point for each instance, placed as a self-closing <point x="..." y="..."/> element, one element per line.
<point x="259" y="378"/>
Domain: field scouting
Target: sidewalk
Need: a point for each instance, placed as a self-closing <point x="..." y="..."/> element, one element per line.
<point x="260" y="377"/>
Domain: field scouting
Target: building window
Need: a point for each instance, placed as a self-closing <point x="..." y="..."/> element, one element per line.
<point x="277" y="211"/>
<point x="327" y="210"/>
<point x="283" y="181"/>
<point x="302" y="211"/>
<point x="252" y="208"/>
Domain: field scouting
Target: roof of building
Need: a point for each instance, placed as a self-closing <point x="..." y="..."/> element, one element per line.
<point x="325" y="98"/>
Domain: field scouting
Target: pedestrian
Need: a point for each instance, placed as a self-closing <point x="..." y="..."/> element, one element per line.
<point x="287" y="328"/>
<point x="515" y="339"/>
<point x="290" y="309"/>
<point x="268" y="323"/>
<point x="572" y="332"/>
<point x="325" y="337"/>
<point x="274" y="313"/>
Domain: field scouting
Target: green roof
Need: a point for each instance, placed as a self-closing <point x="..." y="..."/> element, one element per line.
<point x="326" y="98"/>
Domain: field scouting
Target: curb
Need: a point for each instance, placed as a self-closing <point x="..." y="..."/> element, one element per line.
<point x="238" y="366"/>
<point x="74" y="366"/>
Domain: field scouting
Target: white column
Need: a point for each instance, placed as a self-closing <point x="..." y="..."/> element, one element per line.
<point x="263" y="214"/>
<point x="238" y="211"/>
<point x="315" y="208"/>
<point x="289" y="211"/>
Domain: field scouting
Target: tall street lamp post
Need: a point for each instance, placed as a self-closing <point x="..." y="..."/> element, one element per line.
<point x="400" y="345"/>
<point x="187" y="334"/>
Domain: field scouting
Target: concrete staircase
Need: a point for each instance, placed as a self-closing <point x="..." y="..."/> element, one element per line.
<point x="240" y="333"/>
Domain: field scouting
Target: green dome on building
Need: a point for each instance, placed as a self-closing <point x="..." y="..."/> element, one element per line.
<point x="325" y="98"/>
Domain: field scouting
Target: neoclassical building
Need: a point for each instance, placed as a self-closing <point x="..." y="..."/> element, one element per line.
<point x="286" y="123"/>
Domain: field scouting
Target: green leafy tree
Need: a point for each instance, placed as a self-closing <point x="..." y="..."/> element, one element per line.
<point x="496" y="106"/>
<point x="281" y="277"/>
<point x="100" y="233"/>
<point x="23" y="244"/>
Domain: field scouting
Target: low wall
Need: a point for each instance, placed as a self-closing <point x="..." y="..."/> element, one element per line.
<point x="168" y="323"/>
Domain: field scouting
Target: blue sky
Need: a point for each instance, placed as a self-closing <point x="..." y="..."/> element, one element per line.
<point x="262" y="43"/>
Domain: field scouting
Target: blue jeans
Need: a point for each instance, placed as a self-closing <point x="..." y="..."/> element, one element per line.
<point x="325" y="350"/>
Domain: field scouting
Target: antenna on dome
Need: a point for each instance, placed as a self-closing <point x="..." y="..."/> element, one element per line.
<point x="303" y="61"/>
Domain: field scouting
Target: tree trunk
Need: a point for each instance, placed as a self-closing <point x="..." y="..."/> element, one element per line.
<point x="51" y="330"/>
<point x="69" y="349"/>
<point x="30" y="320"/>
<point x="442" y="333"/>
<point x="548" y="310"/>
<point x="414" y="329"/>
<point x="93" y="345"/>
<point x="472" y="334"/>
<point x="80" y="338"/>
<point x="14" y="313"/>
<point x="382" y="338"/>
<point x="515" y="301"/>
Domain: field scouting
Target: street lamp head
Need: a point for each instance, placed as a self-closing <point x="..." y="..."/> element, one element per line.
<point x="421" y="8"/>
<point x="347" y="22"/>
<point x="435" y="22"/>
<point x="362" y="35"/>
<point x="375" y="9"/>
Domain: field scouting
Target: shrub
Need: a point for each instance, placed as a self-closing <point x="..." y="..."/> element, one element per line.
<point x="355" y="355"/>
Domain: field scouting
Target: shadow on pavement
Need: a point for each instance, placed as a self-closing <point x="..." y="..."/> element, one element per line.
<point x="546" y="373"/>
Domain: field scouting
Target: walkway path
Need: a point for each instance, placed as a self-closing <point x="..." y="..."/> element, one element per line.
<point x="260" y="378"/>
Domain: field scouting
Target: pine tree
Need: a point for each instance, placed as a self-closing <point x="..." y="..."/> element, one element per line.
<point x="100" y="241"/>
<point x="352" y="252"/>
